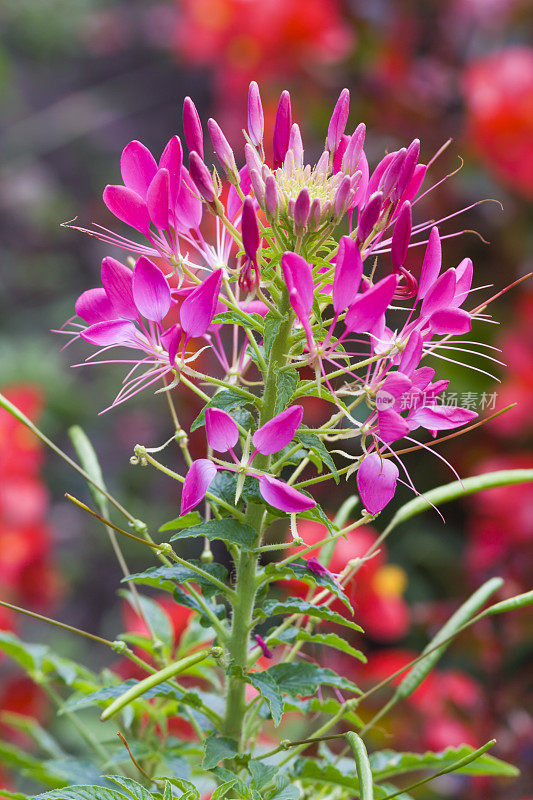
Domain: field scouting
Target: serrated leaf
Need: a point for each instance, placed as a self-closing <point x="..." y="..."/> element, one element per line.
<point x="222" y="790"/>
<point x="312" y="441"/>
<point x="286" y="385"/>
<point x="218" y="748"/>
<point x="249" y="320"/>
<point x="226" y="530"/>
<point x="302" y="678"/>
<point x="186" y="521"/>
<point x="166" y="578"/>
<point x="268" y="688"/>
<point x="271" y="328"/>
<point x="101" y="697"/>
<point x="317" y="514"/>
<point x="131" y="787"/>
<point x="82" y="793"/>
<point x="301" y="572"/>
<point x="295" y="605"/>
<point x="291" y="635"/>
<point x="388" y="764"/>
<point x="262" y="774"/>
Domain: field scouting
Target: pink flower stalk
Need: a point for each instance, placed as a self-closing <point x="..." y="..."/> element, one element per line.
<point x="222" y="435"/>
<point x="267" y="653"/>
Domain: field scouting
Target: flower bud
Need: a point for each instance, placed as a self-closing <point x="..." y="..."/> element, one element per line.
<point x="401" y="236"/>
<point x="339" y="118"/>
<point x="282" y="129"/>
<point x="258" y="186"/>
<point x="202" y="178"/>
<point x="392" y="173"/>
<point x="354" y="150"/>
<point x="271" y="197"/>
<point x="369" y="216"/>
<point x="250" y="229"/>
<point x="222" y="149"/>
<point x="192" y="127"/>
<point x="256" y="119"/>
<point x="302" y="206"/>
<point x="296" y="145"/>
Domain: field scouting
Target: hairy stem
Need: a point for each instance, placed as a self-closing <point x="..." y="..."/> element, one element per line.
<point x="246" y="582"/>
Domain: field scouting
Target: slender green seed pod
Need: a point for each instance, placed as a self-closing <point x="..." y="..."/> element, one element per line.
<point x="519" y="601"/>
<point x="419" y="671"/>
<point x="362" y="764"/>
<point x="153" y="680"/>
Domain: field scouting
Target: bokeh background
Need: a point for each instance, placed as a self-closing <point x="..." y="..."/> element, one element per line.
<point x="81" y="78"/>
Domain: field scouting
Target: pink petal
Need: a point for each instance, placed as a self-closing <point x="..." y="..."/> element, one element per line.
<point x="412" y="354"/>
<point x="440" y="294"/>
<point x="348" y="273"/>
<point x="117" y="280"/>
<point x="197" y="481"/>
<point x="111" y="332"/>
<point x="376" y="482"/>
<point x="401" y="236"/>
<point x="188" y="206"/>
<point x="279" y="431"/>
<point x="221" y="430"/>
<point x="158" y="199"/>
<point x="150" y="290"/>
<point x="172" y="160"/>
<point x="440" y="418"/>
<point x="192" y="127"/>
<point x="199" y="307"/>
<point x="256" y="118"/>
<point x="463" y="273"/>
<point x="431" y="264"/>
<point x="128" y="206"/>
<point x="392" y="426"/>
<point x="170" y="340"/>
<point x="298" y="275"/>
<point x="450" y="320"/>
<point x="282" y="129"/>
<point x="95" y="306"/>
<point x="282" y="496"/>
<point x="137" y="167"/>
<point x="368" y="309"/>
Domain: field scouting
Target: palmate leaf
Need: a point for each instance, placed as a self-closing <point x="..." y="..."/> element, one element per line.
<point x="286" y="384"/>
<point x="301" y="572"/>
<point x="293" y="634"/>
<point x="166" y="578"/>
<point x="295" y="605"/>
<point x="303" y="678"/>
<point x="228" y="400"/>
<point x="227" y="530"/>
<point x="131" y="787"/>
<point x="269" y="689"/>
<point x="388" y="764"/>
<point x="315" y="444"/>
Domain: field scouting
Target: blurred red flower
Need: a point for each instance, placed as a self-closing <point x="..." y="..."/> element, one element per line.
<point x="499" y="99"/>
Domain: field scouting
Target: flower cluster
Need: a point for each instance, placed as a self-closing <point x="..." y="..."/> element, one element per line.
<point x="353" y="314"/>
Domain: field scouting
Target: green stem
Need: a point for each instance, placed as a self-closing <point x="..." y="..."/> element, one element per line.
<point x="246" y="583"/>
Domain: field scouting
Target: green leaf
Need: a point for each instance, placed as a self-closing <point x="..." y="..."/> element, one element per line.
<point x="315" y="444"/>
<point x="388" y="764"/>
<point x="218" y="748"/>
<point x="130" y="786"/>
<point x="14" y="795"/>
<point x="187" y="521"/>
<point x="457" y="489"/>
<point x="315" y="772"/>
<point x="362" y="764"/>
<point x="286" y="384"/>
<point x="302" y="678"/>
<point x="158" y="620"/>
<point x="248" y="320"/>
<point x="167" y="577"/>
<point x="262" y="774"/>
<point x="271" y="328"/>
<point x="222" y="790"/>
<point x="89" y="461"/>
<point x="82" y="793"/>
<point x="268" y="687"/>
<point x="30" y="726"/>
<point x="301" y="572"/>
<point x="293" y="634"/>
<point x="28" y="766"/>
<point x="190" y="792"/>
<point x="227" y="530"/>
<point x="227" y="400"/>
<point x="31" y="657"/>
<point x="295" y="605"/>
<point x="77" y="702"/>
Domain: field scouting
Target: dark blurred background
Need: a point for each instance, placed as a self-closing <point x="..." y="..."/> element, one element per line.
<point x="78" y="80"/>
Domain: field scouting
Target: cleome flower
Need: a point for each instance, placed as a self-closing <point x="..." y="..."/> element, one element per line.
<point x="222" y="436"/>
<point x="357" y="312"/>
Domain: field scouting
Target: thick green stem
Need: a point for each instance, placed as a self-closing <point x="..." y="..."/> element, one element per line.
<point x="246" y="582"/>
